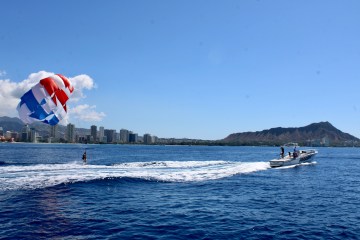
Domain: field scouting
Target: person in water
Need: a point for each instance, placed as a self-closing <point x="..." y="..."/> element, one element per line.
<point x="84" y="157"/>
<point x="282" y="152"/>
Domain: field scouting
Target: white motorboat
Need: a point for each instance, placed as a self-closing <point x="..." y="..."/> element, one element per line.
<point x="293" y="158"/>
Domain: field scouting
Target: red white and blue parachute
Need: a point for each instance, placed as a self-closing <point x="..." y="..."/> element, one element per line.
<point x="46" y="101"/>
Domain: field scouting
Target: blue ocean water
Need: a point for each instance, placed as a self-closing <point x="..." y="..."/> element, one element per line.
<point x="175" y="192"/>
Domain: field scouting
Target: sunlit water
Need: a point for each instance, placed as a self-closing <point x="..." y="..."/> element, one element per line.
<point x="175" y="192"/>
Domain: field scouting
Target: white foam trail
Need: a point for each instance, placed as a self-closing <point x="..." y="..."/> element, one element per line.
<point x="171" y="164"/>
<point x="46" y="175"/>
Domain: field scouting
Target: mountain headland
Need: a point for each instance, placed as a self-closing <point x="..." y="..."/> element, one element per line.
<point x="315" y="134"/>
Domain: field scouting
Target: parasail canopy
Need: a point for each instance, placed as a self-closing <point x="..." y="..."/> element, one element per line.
<point x="46" y="101"/>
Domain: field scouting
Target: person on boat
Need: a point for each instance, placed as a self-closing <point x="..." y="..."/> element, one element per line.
<point x="84" y="157"/>
<point x="282" y="152"/>
<point x="295" y="154"/>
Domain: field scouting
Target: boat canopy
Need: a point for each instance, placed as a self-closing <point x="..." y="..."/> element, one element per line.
<point x="291" y="144"/>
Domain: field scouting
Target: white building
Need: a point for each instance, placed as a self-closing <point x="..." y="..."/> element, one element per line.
<point x="124" y="136"/>
<point x="101" y="134"/>
<point x="34" y="135"/>
<point x="70" y="133"/>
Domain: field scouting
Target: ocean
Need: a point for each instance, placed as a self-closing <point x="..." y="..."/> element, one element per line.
<point x="175" y="192"/>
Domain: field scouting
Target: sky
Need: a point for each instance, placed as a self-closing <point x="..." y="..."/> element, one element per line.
<point x="188" y="69"/>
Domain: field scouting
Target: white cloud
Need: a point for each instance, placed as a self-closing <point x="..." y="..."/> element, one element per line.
<point x="8" y="102"/>
<point x="80" y="83"/>
<point x="10" y="93"/>
<point x="86" y="113"/>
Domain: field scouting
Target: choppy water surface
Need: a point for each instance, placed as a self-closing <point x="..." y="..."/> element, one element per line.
<point x="175" y="192"/>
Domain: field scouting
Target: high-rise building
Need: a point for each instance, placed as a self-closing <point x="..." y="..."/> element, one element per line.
<point x="53" y="132"/>
<point x="110" y="135"/>
<point x="124" y="136"/>
<point x="93" y="131"/>
<point x="133" y="137"/>
<point x="70" y="133"/>
<point x="1" y="131"/>
<point x="148" y="139"/>
<point x="25" y="133"/>
<point x="101" y="134"/>
<point x="33" y="135"/>
<point x="117" y="137"/>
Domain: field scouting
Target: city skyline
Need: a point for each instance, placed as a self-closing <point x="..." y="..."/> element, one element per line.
<point x="200" y="70"/>
<point x="77" y="135"/>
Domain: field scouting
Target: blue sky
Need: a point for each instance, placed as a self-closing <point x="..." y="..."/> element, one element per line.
<point x="196" y="69"/>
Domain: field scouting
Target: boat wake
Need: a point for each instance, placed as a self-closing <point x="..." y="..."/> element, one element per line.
<point x="14" y="177"/>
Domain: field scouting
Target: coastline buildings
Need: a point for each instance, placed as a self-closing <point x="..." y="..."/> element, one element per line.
<point x="10" y="136"/>
<point x="70" y="133"/>
<point x="54" y="135"/>
<point x="53" y="131"/>
<point x="101" y="135"/>
<point x="93" y="131"/>
<point x="110" y="135"/>
<point x="34" y="135"/>
<point x="124" y="136"/>
<point x="1" y="132"/>
<point x="133" y="137"/>
<point x="25" y="134"/>
<point x="2" y="138"/>
<point x="148" y="139"/>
